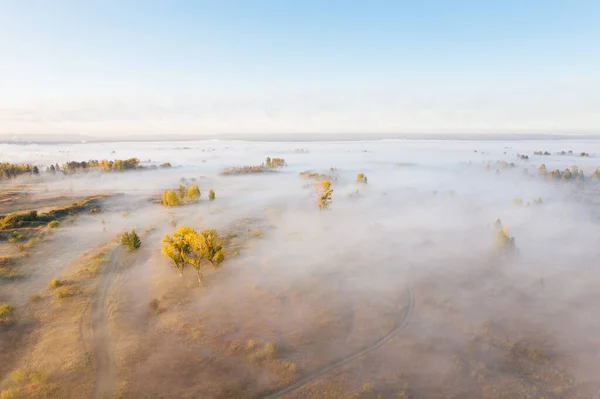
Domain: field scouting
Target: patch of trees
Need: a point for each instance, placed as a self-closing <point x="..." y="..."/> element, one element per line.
<point x="32" y="218"/>
<point x="188" y="247"/>
<point x="361" y="178"/>
<point x="574" y="173"/>
<point x="324" y="192"/>
<point x="131" y="241"/>
<point x="11" y="170"/>
<point x="182" y="195"/>
<point x="267" y="166"/>
<point x="309" y="174"/>
<point x="103" y="165"/>
<point x="500" y="165"/>
<point x="523" y="157"/>
<point x="272" y="163"/>
<point x="542" y="153"/>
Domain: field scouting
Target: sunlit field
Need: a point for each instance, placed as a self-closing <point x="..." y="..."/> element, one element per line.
<point x="232" y="269"/>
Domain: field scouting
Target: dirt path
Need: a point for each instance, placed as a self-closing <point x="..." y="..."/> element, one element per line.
<point x="105" y="372"/>
<point x="401" y="324"/>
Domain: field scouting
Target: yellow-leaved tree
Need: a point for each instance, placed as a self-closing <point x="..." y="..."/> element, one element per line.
<point x="193" y="192"/>
<point x="204" y="246"/>
<point x="324" y="192"/>
<point x="177" y="247"/>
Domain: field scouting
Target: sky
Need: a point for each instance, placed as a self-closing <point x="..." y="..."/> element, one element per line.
<point x="122" y="67"/>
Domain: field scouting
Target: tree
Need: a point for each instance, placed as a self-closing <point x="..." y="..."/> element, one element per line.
<point x="361" y="178"/>
<point x="211" y="194"/>
<point x="131" y="240"/>
<point x="193" y="192"/>
<point x="204" y="246"/>
<point x="35" y="170"/>
<point x="504" y="242"/>
<point x="324" y="192"/>
<point x="212" y="248"/>
<point x="177" y="247"/>
<point x="181" y="191"/>
<point x="542" y="170"/>
<point x="170" y="198"/>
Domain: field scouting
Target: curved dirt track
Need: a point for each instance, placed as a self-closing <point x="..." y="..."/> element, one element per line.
<point x="401" y="324"/>
<point x="105" y="373"/>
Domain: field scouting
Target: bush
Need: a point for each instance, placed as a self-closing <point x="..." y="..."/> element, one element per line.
<point x="131" y="240"/>
<point x="7" y="313"/>
<point x="54" y="224"/>
<point x="361" y="178"/>
<point x="165" y="165"/>
<point x="65" y="292"/>
<point x="55" y="284"/>
<point x="154" y="305"/>
<point x="211" y="194"/>
<point x="15" y="236"/>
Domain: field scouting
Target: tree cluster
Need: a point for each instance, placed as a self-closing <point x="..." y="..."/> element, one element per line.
<point x="183" y="194"/>
<point x="574" y="173"/>
<point x="131" y="241"/>
<point x="103" y="164"/>
<point x="309" y="174"/>
<point x="272" y="163"/>
<point x="542" y="153"/>
<point x="10" y="170"/>
<point x="189" y="247"/>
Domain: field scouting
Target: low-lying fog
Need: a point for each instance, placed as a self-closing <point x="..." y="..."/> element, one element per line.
<point x="425" y="219"/>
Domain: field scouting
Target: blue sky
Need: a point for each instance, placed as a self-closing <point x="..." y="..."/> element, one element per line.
<point x="203" y="67"/>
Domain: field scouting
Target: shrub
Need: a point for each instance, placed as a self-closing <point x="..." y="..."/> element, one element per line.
<point x="131" y="240"/>
<point x="65" y="292"/>
<point x="165" y="165"/>
<point x="10" y="393"/>
<point x="35" y="298"/>
<point x="154" y="305"/>
<point x="7" y="313"/>
<point x="15" y="236"/>
<point x="55" y="284"/>
<point x="54" y="224"/>
<point x="211" y="194"/>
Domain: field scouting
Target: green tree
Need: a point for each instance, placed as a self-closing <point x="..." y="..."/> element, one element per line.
<point x="131" y="240"/>
<point x="211" y="194"/>
<point x="177" y="247"/>
<point x="193" y="192"/>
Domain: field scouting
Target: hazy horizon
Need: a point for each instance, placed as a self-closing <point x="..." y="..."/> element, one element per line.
<point x="218" y="68"/>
